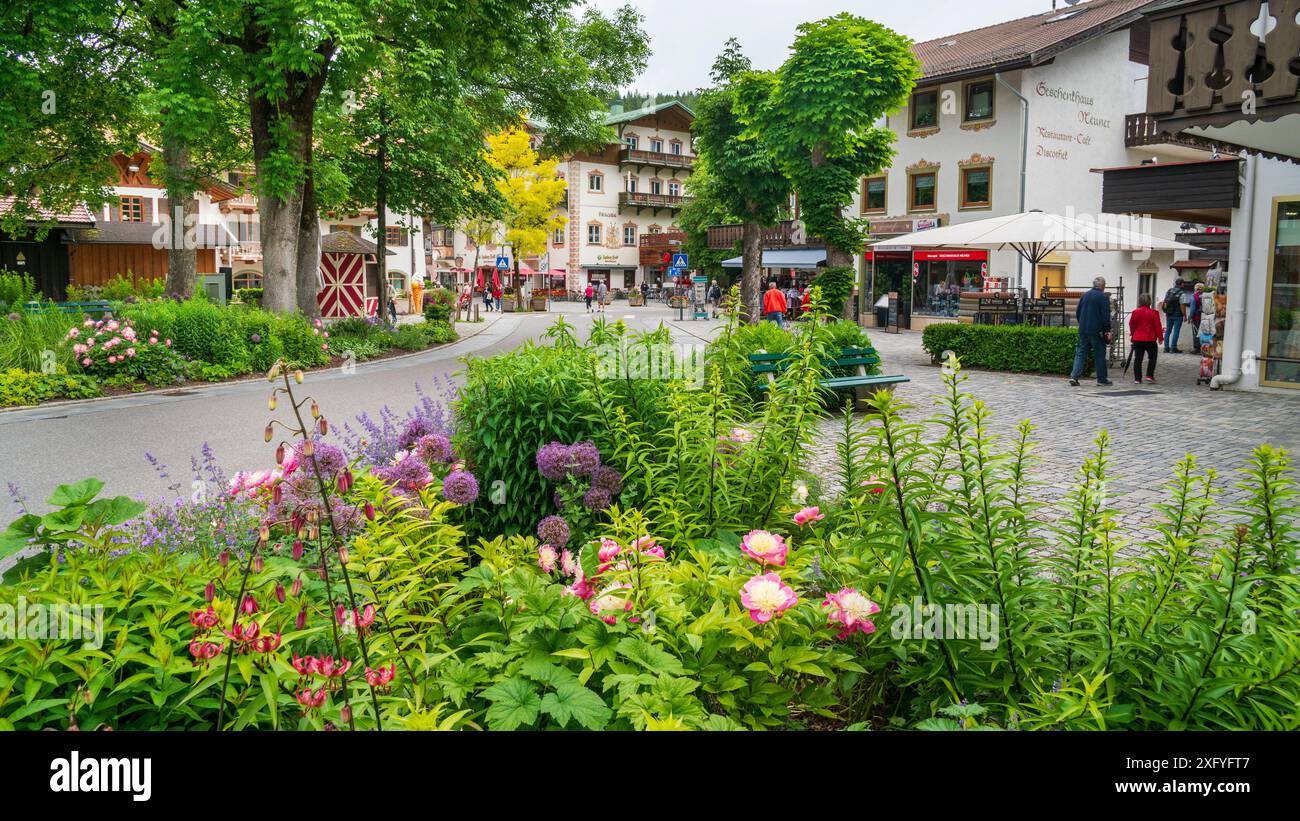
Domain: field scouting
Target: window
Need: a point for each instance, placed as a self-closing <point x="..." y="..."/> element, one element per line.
<point x="632" y="141"/>
<point x="631" y="184"/>
<point x="595" y="181"/>
<point x="873" y="195"/>
<point x="1282" y="334"/>
<point x="921" y="192"/>
<point x="657" y="146"/>
<point x="656" y="187"/>
<point x="976" y="187"/>
<point x="979" y="101"/>
<point x="925" y="110"/>
<point x="674" y="188"/>
<point x="247" y="279"/>
<point x="132" y="209"/>
<point x="354" y="230"/>
<point x="395" y="235"/>
<point x="593" y="233"/>
<point x="557" y="236"/>
<point x="675" y="147"/>
<point x="629" y="235"/>
<point x="396" y="282"/>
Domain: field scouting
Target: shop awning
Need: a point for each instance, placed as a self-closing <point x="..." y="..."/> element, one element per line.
<point x="797" y="258"/>
<point x="1195" y="264"/>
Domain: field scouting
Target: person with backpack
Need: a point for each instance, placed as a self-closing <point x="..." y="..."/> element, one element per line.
<point x="1172" y="305"/>
<point x="1093" y="315"/>
<point x="715" y="297"/>
<point x="1145" y="330"/>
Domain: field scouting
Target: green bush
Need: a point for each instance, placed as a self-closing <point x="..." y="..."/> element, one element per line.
<point x="360" y="347"/>
<point x="249" y="296"/>
<point x="20" y="387"/>
<point x="836" y="285"/>
<point x="439" y="304"/>
<point x="1016" y="348"/>
<point x="438" y="333"/>
<point x="25" y="340"/>
<point x="408" y="338"/>
<point x="510" y="406"/>
<point x="207" y="331"/>
<point x="16" y="289"/>
<point x="303" y="344"/>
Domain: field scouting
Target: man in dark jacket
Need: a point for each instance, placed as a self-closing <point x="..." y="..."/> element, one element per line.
<point x="1093" y="314"/>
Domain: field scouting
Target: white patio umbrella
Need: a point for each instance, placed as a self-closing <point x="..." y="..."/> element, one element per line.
<point x="1036" y="234"/>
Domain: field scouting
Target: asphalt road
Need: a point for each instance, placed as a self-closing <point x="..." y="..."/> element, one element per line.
<point x="45" y="446"/>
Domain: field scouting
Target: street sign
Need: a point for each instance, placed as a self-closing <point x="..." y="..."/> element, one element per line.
<point x="503" y="262"/>
<point x="680" y="260"/>
<point x="674" y="271"/>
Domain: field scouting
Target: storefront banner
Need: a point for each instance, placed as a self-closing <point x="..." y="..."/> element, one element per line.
<point x="953" y="254"/>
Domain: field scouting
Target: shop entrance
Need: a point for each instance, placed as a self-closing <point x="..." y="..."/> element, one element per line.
<point x="893" y="273"/>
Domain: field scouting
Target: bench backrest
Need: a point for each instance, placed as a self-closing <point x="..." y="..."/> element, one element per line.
<point x="847" y="357"/>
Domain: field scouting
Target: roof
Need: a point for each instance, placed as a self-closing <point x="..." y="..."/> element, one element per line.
<point x="206" y="235"/>
<point x="1026" y="41"/>
<point x="1193" y="263"/>
<point x="614" y="118"/>
<point x="345" y="242"/>
<point x="797" y="258"/>
<point x="78" y="215"/>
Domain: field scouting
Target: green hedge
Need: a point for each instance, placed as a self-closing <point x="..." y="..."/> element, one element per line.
<point x="1016" y="348"/>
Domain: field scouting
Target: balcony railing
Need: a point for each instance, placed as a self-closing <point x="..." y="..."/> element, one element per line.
<point x="633" y="156"/>
<point x="1207" y="63"/>
<point x="781" y="235"/>
<point x="1145" y="129"/>
<point x="248" y="250"/>
<point x="639" y="199"/>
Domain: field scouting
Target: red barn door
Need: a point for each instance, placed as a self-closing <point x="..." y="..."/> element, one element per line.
<point x="343" y="289"/>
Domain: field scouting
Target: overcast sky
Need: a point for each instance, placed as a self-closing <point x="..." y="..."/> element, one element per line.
<point x="685" y="35"/>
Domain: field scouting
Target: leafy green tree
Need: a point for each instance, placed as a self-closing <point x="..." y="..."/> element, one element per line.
<point x="819" y="114"/>
<point x="740" y="174"/>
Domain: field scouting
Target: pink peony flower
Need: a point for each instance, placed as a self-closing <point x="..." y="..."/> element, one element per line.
<point x="74" y="333"/>
<point x="547" y="558"/>
<point x="765" y="548"/>
<point x="568" y="565"/>
<point x="167" y="342"/>
<point x="852" y="611"/>
<point x="767" y="597"/>
<point x="648" y="547"/>
<point x="580" y="588"/>
<point x="85" y="363"/>
<point x="130" y="351"/>
<point x="609" y="604"/>
<point x="808" y="514"/>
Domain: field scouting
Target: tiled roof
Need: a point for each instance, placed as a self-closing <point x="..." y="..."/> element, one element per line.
<point x="204" y="235"/>
<point x="79" y="215"/>
<point x="1026" y="41"/>
<point x="345" y="242"/>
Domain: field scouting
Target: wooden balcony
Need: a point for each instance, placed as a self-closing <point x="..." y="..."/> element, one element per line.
<point x="781" y="235"/>
<point x="654" y="246"/>
<point x="657" y="202"/>
<point x="655" y="159"/>
<point x="1206" y="63"/>
<point x="1144" y="129"/>
<point x="248" y="251"/>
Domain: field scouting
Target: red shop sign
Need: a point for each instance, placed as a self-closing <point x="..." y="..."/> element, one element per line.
<point x="943" y="255"/>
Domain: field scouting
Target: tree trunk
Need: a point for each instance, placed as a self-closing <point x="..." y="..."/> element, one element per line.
<point x="839" y="258"/>
<point x="278" y="216"/>
<point x="182" y="256"/>
<point x="381" y="205"/>
<point x="751" y="271"/>
<point x="307" y="269"/>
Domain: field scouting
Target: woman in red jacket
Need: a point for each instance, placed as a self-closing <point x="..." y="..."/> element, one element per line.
<point x="1146" y="330"/>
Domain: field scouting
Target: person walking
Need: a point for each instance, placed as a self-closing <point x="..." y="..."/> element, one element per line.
<point x="1093" y="315"/>
<point x="1145" y="330"/>
<point x="774" y="306"/>
<point x="496" y="296"/>
<point x="588" y="294"/>
<point x="1172" y="305"/>
<point x="601" y="290"/>
<point x="715" y="297"/>
<point x="487" y="300"/>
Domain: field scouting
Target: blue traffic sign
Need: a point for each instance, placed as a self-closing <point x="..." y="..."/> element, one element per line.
<point x="674" y="271"/>
<point x="680" y="260"/>
<point x="503" y="263"/>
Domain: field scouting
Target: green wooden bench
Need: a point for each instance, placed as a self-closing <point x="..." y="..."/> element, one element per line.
<point x="90" y="306"/>
<point x="768" y="365"/>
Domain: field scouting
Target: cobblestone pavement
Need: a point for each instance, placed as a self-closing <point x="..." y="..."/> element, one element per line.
<point x="1149" y="431"/>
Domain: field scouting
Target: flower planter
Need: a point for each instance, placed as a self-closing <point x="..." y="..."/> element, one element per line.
<point x="537" y="303"/>
<point x="635" y="300"/>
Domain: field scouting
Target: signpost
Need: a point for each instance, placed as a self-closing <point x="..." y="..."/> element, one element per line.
<point x="503" y="263"/>
<point x="681" y="260"/>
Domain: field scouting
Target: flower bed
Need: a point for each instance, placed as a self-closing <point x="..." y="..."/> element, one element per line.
<point x="662" y="563"/>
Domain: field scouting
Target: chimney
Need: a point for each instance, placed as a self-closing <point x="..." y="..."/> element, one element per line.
<point x="616" y="108"/>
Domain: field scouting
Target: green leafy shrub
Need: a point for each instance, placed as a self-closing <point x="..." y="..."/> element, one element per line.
<point x="439" y="304"/>
<point x="249" y="296"/>
<point x="112" y="348"/>
<point x="304" y="347"/>
<point x="510" y="406"/>
<point x="361" y="348"/>
<point x="438" y="333"/>
<point x="20" y="387"/>
<point x="207" y="331"/>
<point x="408" y="338"/>
<point x="16" y="289"/>
<point x="1016" y="348"/>
<point x="29" y="340"/>
<point x="836" y="285"/>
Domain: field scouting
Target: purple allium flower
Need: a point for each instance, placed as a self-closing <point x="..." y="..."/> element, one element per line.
<point x="460" y="487"/>
<point x="607" y="478"/>
<point x="329" y="458"/>
<point x="553" y="461"/>
<point x="255" y="338"/>
<point x="596" y="498"/>
<point x="434" y="448"/>
<point x="553" y="530"/>
<point x="583" y="459"/>
<point x="14" y="316"/>
<point x="409" y="473"/>
<point x="415" y="429"/>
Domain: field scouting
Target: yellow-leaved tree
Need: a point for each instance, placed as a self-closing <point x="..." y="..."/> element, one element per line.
<point x="532" y="192"/>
